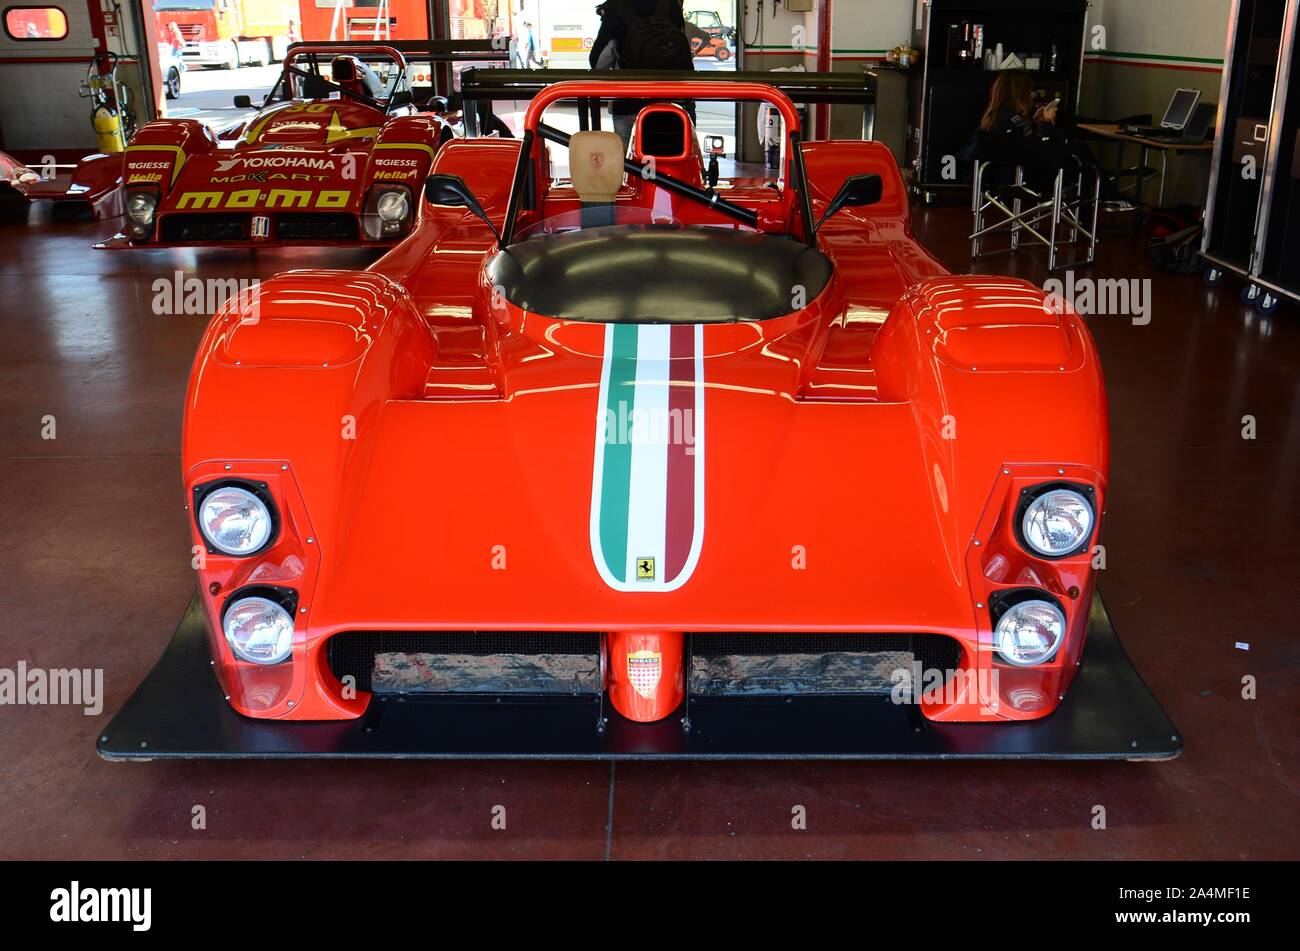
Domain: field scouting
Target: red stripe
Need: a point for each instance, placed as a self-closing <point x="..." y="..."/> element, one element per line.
<point x="680" y="508"/>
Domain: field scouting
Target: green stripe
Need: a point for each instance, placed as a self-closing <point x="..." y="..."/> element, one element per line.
<point x="616" y="472"/>
<point x="1159" y="57"/>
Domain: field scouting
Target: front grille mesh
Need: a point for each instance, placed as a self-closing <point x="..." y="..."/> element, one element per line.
<point x="289" y="226"/>
<point x="934" y="651"/>
<point x="354" y="652"/>
<point x="801" y="664"/>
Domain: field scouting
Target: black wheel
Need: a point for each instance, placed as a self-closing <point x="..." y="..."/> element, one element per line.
<point x="1213" y="277"/>
<point x="1267" y="305"/>
<point x="173" y="83"/>
<point x="1250" y="294"/>
<point x="723" y="54"/>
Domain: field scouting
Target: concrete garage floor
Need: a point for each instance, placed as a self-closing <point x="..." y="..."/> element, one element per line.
<point x="95" y="573"/>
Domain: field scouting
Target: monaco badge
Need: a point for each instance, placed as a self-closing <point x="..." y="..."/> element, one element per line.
<point x="643" y="670"/>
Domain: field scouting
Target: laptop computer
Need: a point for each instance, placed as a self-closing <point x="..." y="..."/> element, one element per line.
<point x="1194" y="133"/>
<point x="1181" y="109"/>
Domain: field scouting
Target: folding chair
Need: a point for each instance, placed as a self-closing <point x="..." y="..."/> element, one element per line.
<point x="1000" y="187"/>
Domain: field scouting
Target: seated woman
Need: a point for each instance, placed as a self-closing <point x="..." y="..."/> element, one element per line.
<point x="1018" y="133"/>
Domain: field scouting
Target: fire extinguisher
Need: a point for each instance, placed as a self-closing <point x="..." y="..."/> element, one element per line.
<point x="110" y="103"/>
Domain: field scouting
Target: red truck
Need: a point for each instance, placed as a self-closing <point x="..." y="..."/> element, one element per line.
<point x="229" y="33"/>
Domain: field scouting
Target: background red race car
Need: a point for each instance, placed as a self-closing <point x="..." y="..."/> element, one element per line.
<point x="333" y="156"/>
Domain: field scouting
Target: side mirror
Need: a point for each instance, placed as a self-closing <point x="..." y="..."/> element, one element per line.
<point x="243" y="102"/>
<point x="857" y="191"/>
<point x="451" y="191"/>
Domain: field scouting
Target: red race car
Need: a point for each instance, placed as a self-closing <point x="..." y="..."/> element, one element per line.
<point x="614" y="464"/>
<point x="334" y="156"/>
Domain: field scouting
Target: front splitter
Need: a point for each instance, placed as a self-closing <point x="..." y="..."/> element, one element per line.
<point x="179" y="712"/>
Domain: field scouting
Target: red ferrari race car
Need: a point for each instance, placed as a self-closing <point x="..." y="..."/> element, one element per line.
<point x="334" y="155"/>
<point x="615" y="464"/>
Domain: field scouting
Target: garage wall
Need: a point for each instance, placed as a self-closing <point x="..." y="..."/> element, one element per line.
<point x="1152" y="48"/>
<point x="40" y="111"/>
<point x="40" y="108"/>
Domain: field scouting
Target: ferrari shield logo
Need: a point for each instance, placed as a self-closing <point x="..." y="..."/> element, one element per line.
<point x="643" y="669"/>
<point x="597" y="160"/>
<point x="645" y="569"/>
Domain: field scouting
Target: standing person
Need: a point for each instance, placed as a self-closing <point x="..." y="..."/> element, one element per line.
<point x="527" y="48"/>
<point x="648" y="35"/>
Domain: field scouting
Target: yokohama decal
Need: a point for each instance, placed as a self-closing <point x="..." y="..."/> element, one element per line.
<point x="647" y="502"/>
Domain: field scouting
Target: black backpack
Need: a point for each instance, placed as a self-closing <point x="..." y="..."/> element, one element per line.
<point x="654" y="42"/>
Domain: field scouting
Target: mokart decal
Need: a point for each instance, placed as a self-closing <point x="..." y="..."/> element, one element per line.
<point x="643" y="671"/>
<point x="647" y="507"/>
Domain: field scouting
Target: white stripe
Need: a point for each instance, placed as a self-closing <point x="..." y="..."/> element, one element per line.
<point x="598" y="470"/>
<point x="648" y="499"/>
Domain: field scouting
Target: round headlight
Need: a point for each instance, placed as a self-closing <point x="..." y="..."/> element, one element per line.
<point x="1057" y="523"/>
<point x="235" y="521"/>
<point x="258" y="630"/>
<point x="1029" y="633"/>
<point x="140" y="207"/>
<point x="393" y="206"/>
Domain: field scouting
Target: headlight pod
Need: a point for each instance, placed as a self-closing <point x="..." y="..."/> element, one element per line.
<point x="1056" y="521"/>
<point x="393" y="206"/>
<point x="1028" y="628"/>
<point x="141" y="208"/>
<point x="388" y="213"/>
<point x="235" y="518"/>
<point x="258" y="624"/>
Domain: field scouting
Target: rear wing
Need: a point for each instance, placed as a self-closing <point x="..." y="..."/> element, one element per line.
<point x="440" y="54"/>
<point x="486" y="86"/>
<point x="424" y="51"/>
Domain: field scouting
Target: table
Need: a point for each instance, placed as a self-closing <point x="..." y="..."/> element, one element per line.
<point x="1109" y="130"/>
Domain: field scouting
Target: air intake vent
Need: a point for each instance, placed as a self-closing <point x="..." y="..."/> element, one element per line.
<point x="458" y="662"/>
<point x="780" y="664"/>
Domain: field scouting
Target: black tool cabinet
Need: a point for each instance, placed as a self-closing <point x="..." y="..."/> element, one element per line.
<point x="1252" y="214"/>
<point x="950" y="91"/>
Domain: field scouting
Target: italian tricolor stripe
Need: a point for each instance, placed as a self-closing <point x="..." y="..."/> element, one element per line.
<point x="647" y="518"/>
